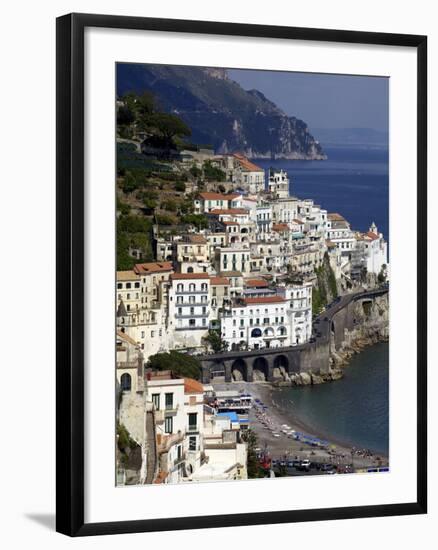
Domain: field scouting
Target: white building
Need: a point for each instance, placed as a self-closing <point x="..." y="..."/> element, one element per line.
<point x="166" y="393"/>
<point x="208" y="201"/>
<point x="278" y="184"/>
<point x="270" y="321"/>
<point x="142" y="305"/>
<point x="232" y="258"/>
<point x="248" y="175"/>
<point x="375" y="250"/>
<point x="226" y="454"/>
<point x="189" y="309"/>
<point x="339" y="233"/>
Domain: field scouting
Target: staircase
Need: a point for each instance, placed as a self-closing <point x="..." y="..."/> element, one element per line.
<point x="151" y="439"/>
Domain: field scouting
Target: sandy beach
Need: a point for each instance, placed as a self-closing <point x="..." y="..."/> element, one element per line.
<point x="266" y="422"/>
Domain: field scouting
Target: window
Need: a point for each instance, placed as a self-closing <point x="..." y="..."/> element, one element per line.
<point x="125" y="382"/>
<point x="169" y="401"/>
<point x="192" y="322"/>
<point x="119" y="285"/>
<point x="168" y="424"/>
<point x="192" y="443"/>
<point x="128" y="285"/>
<point x="137" y="285"/>
<point x="193" y="421"/>
<point x="179" y="287"/>
<point x="156" y="400"/>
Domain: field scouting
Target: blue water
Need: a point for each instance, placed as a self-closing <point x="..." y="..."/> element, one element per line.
<point x="353" y="410"/>
<point x="353" y="182"/>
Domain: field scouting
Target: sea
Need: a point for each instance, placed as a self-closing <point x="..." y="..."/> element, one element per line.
<point x="354" y="182"/>
<point x="353" y="410"/>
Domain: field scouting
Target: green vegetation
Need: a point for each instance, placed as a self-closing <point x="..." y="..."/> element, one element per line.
<point x="253" y="465"/>
<point x="215" y="341"/>
<point x="125" y="443"/>
<point x="179" y="363"/>
<point x="381" y="277"/>
<point x="199" y="220"/>
<point x="150" y="190"/>
<point x="212" y="173"/>
<point x="124" y="440"/>
<point x="325" y="290"/>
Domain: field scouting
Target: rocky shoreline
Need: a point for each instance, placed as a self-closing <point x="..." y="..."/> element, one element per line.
<point x="372" y="328"/>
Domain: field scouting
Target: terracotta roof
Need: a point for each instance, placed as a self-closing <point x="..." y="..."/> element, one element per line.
<point x="297" y="221"/>
<point x="215" y="281"/>
<point x="254" y="283"/>
<point x="178" y="276"/>
<point x="335" y="217"/>
<point x="247" y="165"/>
<point x="153" y="267"/>
<point x="371" y="235"/>
<point x="280" y="227"/>
<point x="264" y="300"/>
<point x="125" y="337"/>
<point x="126" y="275"/>
<point x="192" y="386"/>
<point x="196" y="239"/>
<point x="229" y="211"/>
<point x="225" y="222"/>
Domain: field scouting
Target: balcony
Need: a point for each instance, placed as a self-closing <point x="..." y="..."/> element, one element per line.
<point x="161" y="414"/>
<point x="192" y="291"/>
<point x="192" y="428"/>
<point x="191" y="315"/>
<point x="191" y="304"/>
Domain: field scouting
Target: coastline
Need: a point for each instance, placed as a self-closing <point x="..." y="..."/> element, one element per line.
<point x="337" y="452"/>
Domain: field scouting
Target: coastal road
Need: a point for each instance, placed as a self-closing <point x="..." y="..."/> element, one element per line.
<point x="322" y="323"/>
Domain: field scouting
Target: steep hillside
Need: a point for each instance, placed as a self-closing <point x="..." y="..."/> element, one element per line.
<point x="220" y="112"/>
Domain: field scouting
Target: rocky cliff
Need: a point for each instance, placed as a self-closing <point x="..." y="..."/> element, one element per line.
<point x="221" y="113"/>
<point x="372" y="327"/>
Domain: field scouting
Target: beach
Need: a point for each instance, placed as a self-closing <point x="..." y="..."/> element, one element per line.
<point x="269" y="419"/>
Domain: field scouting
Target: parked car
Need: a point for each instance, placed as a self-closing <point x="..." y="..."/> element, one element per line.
<point x="326" y="467"/>
<point x="305" y="464"/>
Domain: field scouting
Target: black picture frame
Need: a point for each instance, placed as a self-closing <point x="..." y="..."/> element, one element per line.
<point x="70" y="273"/>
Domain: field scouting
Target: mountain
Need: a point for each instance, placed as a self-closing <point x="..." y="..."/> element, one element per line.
<point x="220" y="112"/>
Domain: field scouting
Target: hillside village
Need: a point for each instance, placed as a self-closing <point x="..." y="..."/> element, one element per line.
<point x="213" y="254"/>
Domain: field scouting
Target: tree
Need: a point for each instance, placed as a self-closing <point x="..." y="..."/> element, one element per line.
<point x="169" y="126"/>
<point x="195" y="171"/>
<point x="199" y="220"/>
<point x="212" y="173"/>
<point x="252" y="463"/>
<point x="381" y="277"/>
<point x="215" y="341"/>
<point x="179" y="363"/>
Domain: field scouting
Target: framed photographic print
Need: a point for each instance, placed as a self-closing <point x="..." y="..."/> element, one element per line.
<point x="241" y="274"/>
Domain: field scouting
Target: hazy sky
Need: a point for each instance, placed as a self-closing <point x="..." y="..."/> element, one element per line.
<point x="323" y="100"/>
